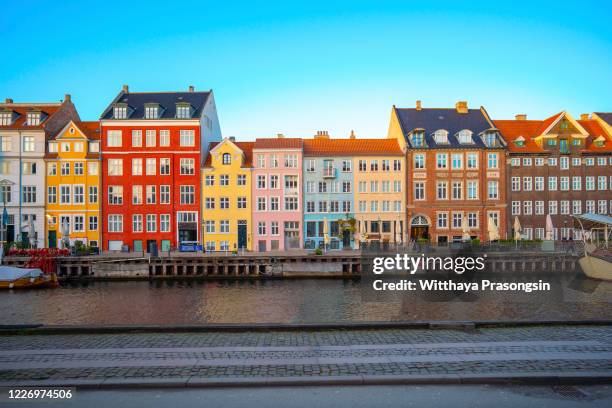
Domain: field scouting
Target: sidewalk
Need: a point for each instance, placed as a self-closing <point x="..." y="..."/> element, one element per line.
<point x="384" y="356"/>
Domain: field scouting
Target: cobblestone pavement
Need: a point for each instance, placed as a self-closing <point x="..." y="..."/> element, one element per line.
<point x="492" y="352"/>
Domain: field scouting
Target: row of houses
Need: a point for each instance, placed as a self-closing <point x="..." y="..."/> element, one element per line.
<point x="154" y="171"/>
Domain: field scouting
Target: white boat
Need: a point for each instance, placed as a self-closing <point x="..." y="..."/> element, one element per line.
<point x="17" y="278"/>
<point x="596" y="263"/>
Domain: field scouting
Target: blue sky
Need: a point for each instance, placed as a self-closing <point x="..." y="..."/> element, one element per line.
<point x="297" y="68"/>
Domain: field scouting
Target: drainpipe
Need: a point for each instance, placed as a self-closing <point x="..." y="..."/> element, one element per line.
<point x="20" y="186"/>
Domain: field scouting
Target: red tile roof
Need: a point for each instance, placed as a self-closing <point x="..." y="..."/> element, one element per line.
<point x="352" y="147"/>
<point x="21" y="110"/>
<point x="278" y="143"/>
<point x="91" y="129"/>
<point x="246" y="147"/>
<point x="530" y="129"/>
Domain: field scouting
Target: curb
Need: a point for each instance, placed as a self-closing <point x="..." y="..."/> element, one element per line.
<point x="434" y="379"/>
<point x="41" y="329"/>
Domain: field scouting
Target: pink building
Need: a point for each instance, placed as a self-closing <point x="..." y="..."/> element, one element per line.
<point x="277" y="194"/>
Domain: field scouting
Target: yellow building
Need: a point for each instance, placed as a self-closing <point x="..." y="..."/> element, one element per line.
<point x="380" y="191"/>
<point x="73" y="185"/>
<point x="226" y="196"/>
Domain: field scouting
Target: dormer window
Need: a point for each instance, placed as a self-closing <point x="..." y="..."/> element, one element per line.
<point x="599" y="142"/>
<point x="120" y="111"/>
<point x="576" y="142"/>
<point x="491" y="140"/>
<point x="183" y="111"/>
<point x="6" y="118"/>
<point x="227" y="158"/>
<point x="519" y="141"/>
<point x="441" y="136"/>
<point x="152" y="111"/>
<point x="33" y="119"/>
<point x="551" y="142"/>
<point x="52" y="147"/>
<point x="465" y="137"/>
<point x="417" y="139"/>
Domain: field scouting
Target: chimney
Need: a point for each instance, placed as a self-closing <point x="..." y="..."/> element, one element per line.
<point x="280" y="136"/>
<point x="66" y="97"/>
<point x="418" y="105"/>
<point x="584" y="116"/>
<point x="461" y="107"/>
<point x="125" y="89"/>
<point x="520" y="116"/>
<point x="191" y="88"/>
<point x="352" y="136"/>
<point x="322" y="134"/>
<point x="8" y="100"/>
<point x="232" y="138"/>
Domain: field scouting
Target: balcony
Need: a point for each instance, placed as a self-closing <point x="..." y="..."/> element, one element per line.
<point x="329" y="172"/>
<point x="291" y="192"/>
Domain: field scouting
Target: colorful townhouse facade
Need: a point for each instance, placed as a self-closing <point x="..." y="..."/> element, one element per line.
<point x="24" y="131"/>
<point x="73" y="186"/>
<point x="456" y="171"/>
<point x="277" y="194"/>
<point x="226" y="197"/>
<point x="328" y="193"/>
<point x="380" y="198"/>
<point x="559" y="166"/>
<point x="153" y="147"/>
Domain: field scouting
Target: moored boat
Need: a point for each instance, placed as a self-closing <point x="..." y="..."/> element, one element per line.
<point x="596" y="263"/>
<point x="25" y="278"/>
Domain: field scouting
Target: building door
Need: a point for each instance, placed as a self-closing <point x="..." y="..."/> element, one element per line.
<point x="52" y="239"/>
<point x="346" y="239"/>
<point x="262" y="246"/>
<point x="152" y="247"/>
<point x="419" y="228"/>
<point x="10" y="233"/>
<point x="242" y="234"/>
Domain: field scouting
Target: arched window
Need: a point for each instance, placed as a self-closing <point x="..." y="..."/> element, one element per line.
<point x="419" y="220"/>
<point x="441" y="136"/>
<point x="227" y="158"/>
<point x="465" y="136"/>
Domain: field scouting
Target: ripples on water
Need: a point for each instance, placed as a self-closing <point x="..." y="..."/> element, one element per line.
<point x="279" y="301"/>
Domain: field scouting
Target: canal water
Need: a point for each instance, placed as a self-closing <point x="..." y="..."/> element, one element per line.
<point x="287" y="301"/>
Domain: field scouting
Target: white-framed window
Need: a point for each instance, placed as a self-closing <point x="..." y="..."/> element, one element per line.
<point x="209" y="180"/>
<point x="472" y="160"/>
<point x="115" y="195"/>
<point x="552" y="207"/>
<point x="187" y="138"/>
<point x="374" y="165"/>
<point x="261" y="228"/>
<point x="164" y="166"/>
<point x="565" y="207"/>
<point x="241" y="179"/>
<point x="261" y="182"/>
<point x="29" y="144"/>
<point x="291" y="204"/>
<point x="539" y="161"/>
<point x="310" y="165"/>
<point x="576" y="183"/>
<point x="164" y="194"/>
<point x="493" y="190"/>
<point x="472" y="189"/>
<point x="516" y="208"/>
<point x="492" y="160"/>
<point x="136" y="194"/>
<point x="602" y="206"/>
<point x="472" y="220"/>
<point x="93" y="194"/>
<point x="136" y="138"/>
<point x="164" y="138"/>
<point x="552" y="183"/>
<point x="261" y="204"/>
<point x="151" y="111"/>
<point x="151" y="194"/>
<point x="539" y="183"/>
<point x="164" y="222"/>
<point x="151" y="222"/>
<point x="291" y="161"/>
<point x="115" y="167"/>
<point x="442" y="190"/>
<point x="79" y="223"/>
<point x="187" y="166"/>
<point x="151" y="166"/>
<point x="564" y="163"/>
<point x="274" y="228"/>
<point x="419" y="190"/>
<point x="516" y="183"/>
<point x="527" y="186"/>
<point x="527" y="207"/>
<point x="457" y="190"/>
<point x="224" y="226"/>
<point x="397" y="186"/>
<point x="79" y="194"/>
<point x="274" y="181"/>
<point x="418" y="161"/>
<point x="64" y="194"/>
<point x="539" y="207"/>
<point x="209" y="226"/>
<point x="183" y="111"/>
<point x="564" y="183"/>
<point x="457" y="220"/>
<point x="209" y="203"/>
<point x="456" y="161"/>
<point x="115" y="223"/>
<point x="51" y="194"/>
<point x="576" y="207"/>
<point x="241" y="202"/>
<point x="442" y="220"/>
<point x="136" y="167"/>
<point x="113" y="138"/>
<point x="590" y="206"/>
<point x="65" y="169"/>
<point x="93" y="222"/>
<point x="78" y="147"/>
<point x="187" y="194"/>
<point x="374" y="206"/>
<point x="590" y="183"/>
<point x="441" y="160"/>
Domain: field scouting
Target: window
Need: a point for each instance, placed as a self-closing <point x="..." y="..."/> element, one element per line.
<point x="151" y="223"/>
<point x="274" y="228"/>
<point x="465" y="137"/>
<point x="136" y="167"/>
<point x="226" y="158"/>
<point x="65" y="169"/>
<point x="590" y="206"/>
<point x="6" y="118"/>
<point x="261" y="182"/>
<point x="115" y="195"/>
<point x="589" y="161"/>
<point x="224" y="226"/>
<point x="209" y="203"/>
<point x="78" y="147"/>
<point x="564" y="183"/>
<point x="183" y="111"/>
<point x="419" y="190"/>
<point x="92" y="168"/>
<point x="346" y="186"/>
<point x="79" y="223"/>
<point x="164" y="166"/>
<point x="274" y="181"/>
<point x="515" y="162"/>
<point x="136" y="194"/>
<point x="472" y="160"/>
<point x="472" y="189"/>
<point x="346" y="206"/>
<point x="539" y="207"/>
<point x="93" y="194"/>
<point x="602" y="206"/>
<point x="527" y="207"/>
<point x="417" y="139"/>
<point x="164" y="138"/>
<point x="78" y="168"/>
<point x="516" y="183"/>
<point x="261" y="228"/>
<point x="79" y="194"/>
<point x="539" y="161"/>
<point x="441" y="136"/>
<point x="151" y="111"/>
<point x="576" y="207"/>
<point x="28" y="168"/>
<point x="493" y="190"/>
<point x="65" y="147"/>
<point x="539" y="183"/>
<point x="51" y="194"/>
<point x="373" y="186"/>
<point x="397" y="165"/>
<point x="516" y="208"/>
<point x="472" y="220"/>
<point x="209" y="180"/>
<point x="565" y="207"/>
<point x="151" y="137"/>
<point x="164" y="223"/>
<point x="419" y="161"/>
<point x="362" y="187"/>
<point x="347" y="165"/>
<point x="576" y="183"/>
<point x="187" y="138"/>
<point x="374" y="165"/>
<point x="552" y="183"/>
<point x="323" y="206"/>
<point x="527" y="183"/>
<point x="456" y="161"/>
<point x="441" y="160"/>
<point x="188" y="195"/>
<point x="28" y="194"/>
<point x="93" y="222"/>
<point x="552" y="207"/>
<point x="310" y="206"/>
<point x="5" y="144"/>
<point x="590" y="183"/>
<point x="5" y="167"/>
<point x="374" y="206"/>
<point x="291" y="204"/>
<point x="151" y="164"/>
<point x="113" y="138"/>
<point x="291" y="161"/>
<point x="564" y="163"/>
<point x="457" y="220"/>
<point x="442" y="190"/>
<point x="241" y="202"/>
<point x="397" y="186"/>
<point x="527" y="161"/>
<point x="552" y="161"/>
<point x="385" y="165"/>
<point x="492" y="160"/>
<point x="457" y="190"/>
<point x="188" y="167"/>
<point x="115" y="167"/>
<point x="151" y="194"/>
<point x="601" y="183"/>
<point x="115" y="223"/>
<point x="28" y="144"/>
<point x="64" y="194"/>
<point x="136" y="138"/>
<point x="261" y="203"/>
<point x="491" y="139"/>
<point x="310" y="165"/>
<point x="209" y="226"/>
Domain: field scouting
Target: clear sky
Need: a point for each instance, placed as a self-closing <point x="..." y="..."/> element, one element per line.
<point x="331" y="65"/>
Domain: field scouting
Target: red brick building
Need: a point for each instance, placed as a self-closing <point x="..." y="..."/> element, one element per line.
<point x="153" y="146"/>
<point x="456" y="172"/>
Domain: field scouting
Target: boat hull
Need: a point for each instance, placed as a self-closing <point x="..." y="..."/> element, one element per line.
<point x="45" y="281"/>
<point x="596" y="268"/>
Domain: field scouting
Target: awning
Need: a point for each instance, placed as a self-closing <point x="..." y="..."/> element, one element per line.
<point x="590" y="220"/>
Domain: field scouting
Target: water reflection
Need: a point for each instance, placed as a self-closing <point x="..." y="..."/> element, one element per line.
<point x="288" y="301"/>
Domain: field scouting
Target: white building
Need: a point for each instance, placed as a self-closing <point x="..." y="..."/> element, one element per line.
<point x="24" y="130"/>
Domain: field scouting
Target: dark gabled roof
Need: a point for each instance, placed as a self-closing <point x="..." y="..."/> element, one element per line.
<point x="431" y="119"/>
<point x="606" y="116"/>
<point x="136" y="102"/>
<point x="20" y="111"/>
